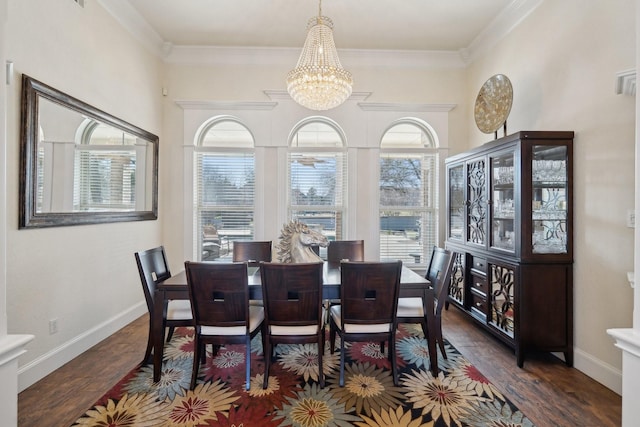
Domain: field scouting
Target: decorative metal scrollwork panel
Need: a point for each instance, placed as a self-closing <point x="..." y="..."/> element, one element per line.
<point x="476" y="185"/>
<point x="502" y="298"/>
<point x="456" y="288"/>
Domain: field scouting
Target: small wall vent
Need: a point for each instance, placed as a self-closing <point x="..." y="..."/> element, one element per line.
<point x="80" y="2"/>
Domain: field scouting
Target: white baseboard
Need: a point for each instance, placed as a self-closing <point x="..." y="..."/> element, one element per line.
<point x="605" y="374"/>
<point x="39" y="368"/>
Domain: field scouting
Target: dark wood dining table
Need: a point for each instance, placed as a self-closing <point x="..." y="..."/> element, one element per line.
<point x="411" y="285"/>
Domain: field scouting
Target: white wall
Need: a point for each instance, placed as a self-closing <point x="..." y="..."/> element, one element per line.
<point x="562" y="61"/>
<point x="83" y="276"/>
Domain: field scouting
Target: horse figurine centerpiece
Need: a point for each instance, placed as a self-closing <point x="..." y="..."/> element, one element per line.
<point x="296" y="242"/>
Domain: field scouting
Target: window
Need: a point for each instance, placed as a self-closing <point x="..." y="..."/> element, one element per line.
<point x="104" y="173"/>
<point x="317" y="176"/>
<point x="408" y="193"/>
<point x="224" y="188"/>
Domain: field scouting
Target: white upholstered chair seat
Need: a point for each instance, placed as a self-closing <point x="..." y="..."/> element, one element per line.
<point x="356" y="328"/>
<point x="410" y="307"/>
<point x="179" y="309"/>
<point x="256" y="316"/>
<point x="295" y="330"/>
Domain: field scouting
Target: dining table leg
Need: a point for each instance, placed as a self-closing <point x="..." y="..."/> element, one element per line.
<point x="158" y="333"/>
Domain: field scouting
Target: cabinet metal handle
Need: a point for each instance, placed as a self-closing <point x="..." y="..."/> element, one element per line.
<point x="478" y="305"/>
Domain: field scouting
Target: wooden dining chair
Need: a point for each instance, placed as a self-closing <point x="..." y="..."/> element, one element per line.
<point x="252" y="251"/>
<point x="292" y="294"/>
<point x="352" y="250"/>
<point x="338" y="250"/>
<point x="411" y="309"/>
<point x="219" y="295"/>
<point x="367" y="311"/>
<point x="153" y="269"/>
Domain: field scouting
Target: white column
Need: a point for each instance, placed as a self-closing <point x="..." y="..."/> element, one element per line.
<point x="628" y="339"/>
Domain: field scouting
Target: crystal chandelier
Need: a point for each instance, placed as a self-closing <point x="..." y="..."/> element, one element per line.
<point x="319" y="82"/>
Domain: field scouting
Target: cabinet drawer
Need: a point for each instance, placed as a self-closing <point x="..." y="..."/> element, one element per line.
<point x="479" y="284"/>
<point x="479" y="264"/>
<point x="478" y="305"/>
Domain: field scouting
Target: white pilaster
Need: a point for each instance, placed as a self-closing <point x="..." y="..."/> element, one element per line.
<point x="628" y="339"/>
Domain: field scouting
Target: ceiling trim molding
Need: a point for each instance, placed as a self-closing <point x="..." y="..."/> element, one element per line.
<point x="626" y="82"/>
<point x="502" y="25"/>
<point x="284" y="95"/>
<point x="224" y="55"/>
<point x="137" y="26"/>
<point x="422" y="108"/>
<point x="225" y="105"/>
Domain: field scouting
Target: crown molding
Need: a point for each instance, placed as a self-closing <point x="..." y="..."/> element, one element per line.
<point x="421" y="108"/>
<point x="222" y="105"/>
<point x="284" y="95"/>
<point x="499" y="28"/>
<point x="223" y="55"/>
<point x="502" y="25"/>
<point x="137" y="26"/>
<point x="626" y="82"/>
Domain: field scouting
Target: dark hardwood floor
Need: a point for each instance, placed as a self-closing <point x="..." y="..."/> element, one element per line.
<point x="548" y="392"/>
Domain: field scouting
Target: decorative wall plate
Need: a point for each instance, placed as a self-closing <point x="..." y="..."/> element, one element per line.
<point x="493" y="103"/>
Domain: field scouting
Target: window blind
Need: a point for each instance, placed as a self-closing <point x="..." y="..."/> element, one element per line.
<point x="317" y="182"/>
<point x="408" y="206"/>
<point x="224" y="198"/>
<point x="104" y="178"/>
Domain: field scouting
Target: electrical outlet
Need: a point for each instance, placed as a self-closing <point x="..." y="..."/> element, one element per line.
<point x="631" y="218"/>
<point x="53" y="326"/>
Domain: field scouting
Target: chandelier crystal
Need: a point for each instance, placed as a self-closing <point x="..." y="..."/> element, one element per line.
<point x="319" y="82"/>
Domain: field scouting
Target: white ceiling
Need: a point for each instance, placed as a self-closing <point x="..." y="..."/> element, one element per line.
<point x="415" y="25"/>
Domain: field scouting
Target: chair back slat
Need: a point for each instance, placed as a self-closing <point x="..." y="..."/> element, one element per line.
<point x="443" y="282"/>
<point x="153" y="269"/>
<point x="369" y="291"/>
<point x="438" y="264"/>
<point x="251" y="251"/>
<point x="219" y="293"/>
<point x="352" y="250"/>
<point x="292" y="293"/>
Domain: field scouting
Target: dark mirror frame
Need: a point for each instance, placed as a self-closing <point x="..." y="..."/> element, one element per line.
<point x="32" y="91"/>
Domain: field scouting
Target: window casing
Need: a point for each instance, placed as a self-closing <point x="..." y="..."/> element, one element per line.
<point x="224" y="193"/>
<point x="317" y="177"/>
<point x="408" y="191"/>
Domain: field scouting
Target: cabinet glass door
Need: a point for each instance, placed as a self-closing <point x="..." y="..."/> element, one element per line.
<point x="549" y="199"/>
<point x="477" y="199"/>
<point x="503" y="206"/>
<point x="456" y="202"/>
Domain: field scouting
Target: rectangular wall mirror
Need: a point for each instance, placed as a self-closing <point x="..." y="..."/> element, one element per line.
<point x="80" y="165"/>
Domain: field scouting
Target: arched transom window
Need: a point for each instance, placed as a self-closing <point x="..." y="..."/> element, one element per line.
<point x="224" y="179"/>
<point x="105" y="174"/>
<point x="317" y="176"/>
<point x="408" y="192"/>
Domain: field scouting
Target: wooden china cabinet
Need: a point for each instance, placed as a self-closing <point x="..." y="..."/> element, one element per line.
<point x="510" y="222"/>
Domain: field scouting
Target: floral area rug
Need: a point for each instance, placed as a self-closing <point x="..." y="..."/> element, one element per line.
<point x="459" y="396"/>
